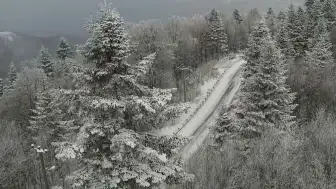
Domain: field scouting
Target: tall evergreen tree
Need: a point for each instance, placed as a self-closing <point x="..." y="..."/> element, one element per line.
<point x="318" y="58"/>
<point x="320" y="28"/>
<point x="105" y="124"/>
<point x="224" y="129"/>
<point x="237" y="17"/>
<point x="309" y="4"/>
<point x="12" y="75"/>
<point x="103" y="46"/>
<point x="314" y="13"/>
<point x="213" y="16"/>
<point x="301" y="41"/>
<point x="64" y="50"/>
<point x="329" y="11"/>
<point x="45" y="62"/>
<point x="251" y="119"/>
<point x="320" y="54"/>
<point x="253" y="17"/>
<point x="216" y="38"/>
<point x="42" y="126"/>
<point x="223" y="46"/>
<point x="253" y="50"/>
<point x="281" y="17"/>
<point x="283" y="42"/>
<point x="296" y="30"/>
<point x="271" y="21"/>
<point x="277" y="101"/>
<point x="291" y="24"/>
<point x="264" y="99"/>
<point x="281" y="37"/>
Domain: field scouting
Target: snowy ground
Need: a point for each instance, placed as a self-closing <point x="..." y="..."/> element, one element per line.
<point x="208" y="87"/>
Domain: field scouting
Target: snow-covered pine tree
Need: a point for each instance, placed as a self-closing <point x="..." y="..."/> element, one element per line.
<point x="264" y="99"/>
<point x="329" y="10"/>
<point x="318" y="58"/>
<point x="320" y="29"/>
<point x="213" y="16"/>
<point x="249" y="118"/>
<point x="106" y="123"/>
<point x="281" y="37"/>
<point x="64" y="50"/>
<point x="309" y="4"/>
<point x="223" y="45"/>
<point x="225" y="128"/>
<point x="253" y="50"/>
<point x="283" y="42"/>
<point x="12" y="75"/>
<point x="301" y="41"/>
<point x="252" y="18"/>
<point x="271" y="21"/>
<point x="281" y="17"/>
<point x="215" y="35"/>
<point x="320" y="54"/>
<point x="45" y="62"/>
<point x="314" y="13"/>
<point x="237" y="17"/>
<point x="108" y="40"/>
<point x="277" y="100"/>
<point x="42" y="122"/>
<point x="296" y="31"/>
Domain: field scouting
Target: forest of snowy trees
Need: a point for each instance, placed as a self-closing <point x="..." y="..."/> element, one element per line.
<point x="280" y="130"/>
<point x="85" y="118"/>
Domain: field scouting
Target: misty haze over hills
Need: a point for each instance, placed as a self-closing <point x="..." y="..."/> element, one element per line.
<point x="35" y="23"/>
<point x="51" y="17"/>
<point x="18" y="47"/>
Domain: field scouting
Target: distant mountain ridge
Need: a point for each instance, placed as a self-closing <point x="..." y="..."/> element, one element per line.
<point x="68" y="18"/>
<point x="25" y="45"/>
<point x="163" y="9"/>
<point x="18" y="47"/>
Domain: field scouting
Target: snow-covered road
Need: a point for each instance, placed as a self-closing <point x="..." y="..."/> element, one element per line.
<point x="200" y="136"/>
<point x="211" y="104"/>
<point x="198" y="128"/>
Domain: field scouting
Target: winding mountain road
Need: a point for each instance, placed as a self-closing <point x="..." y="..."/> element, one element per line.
<point x="197" y="128"/>
<point x="212" y="102"/>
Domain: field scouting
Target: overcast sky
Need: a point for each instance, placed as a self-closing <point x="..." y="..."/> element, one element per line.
<point x="68" y="16"/>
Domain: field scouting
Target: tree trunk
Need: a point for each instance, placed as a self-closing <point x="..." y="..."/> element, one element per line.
<point x="45" y="178"/>
<point x="185" y="89"/>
